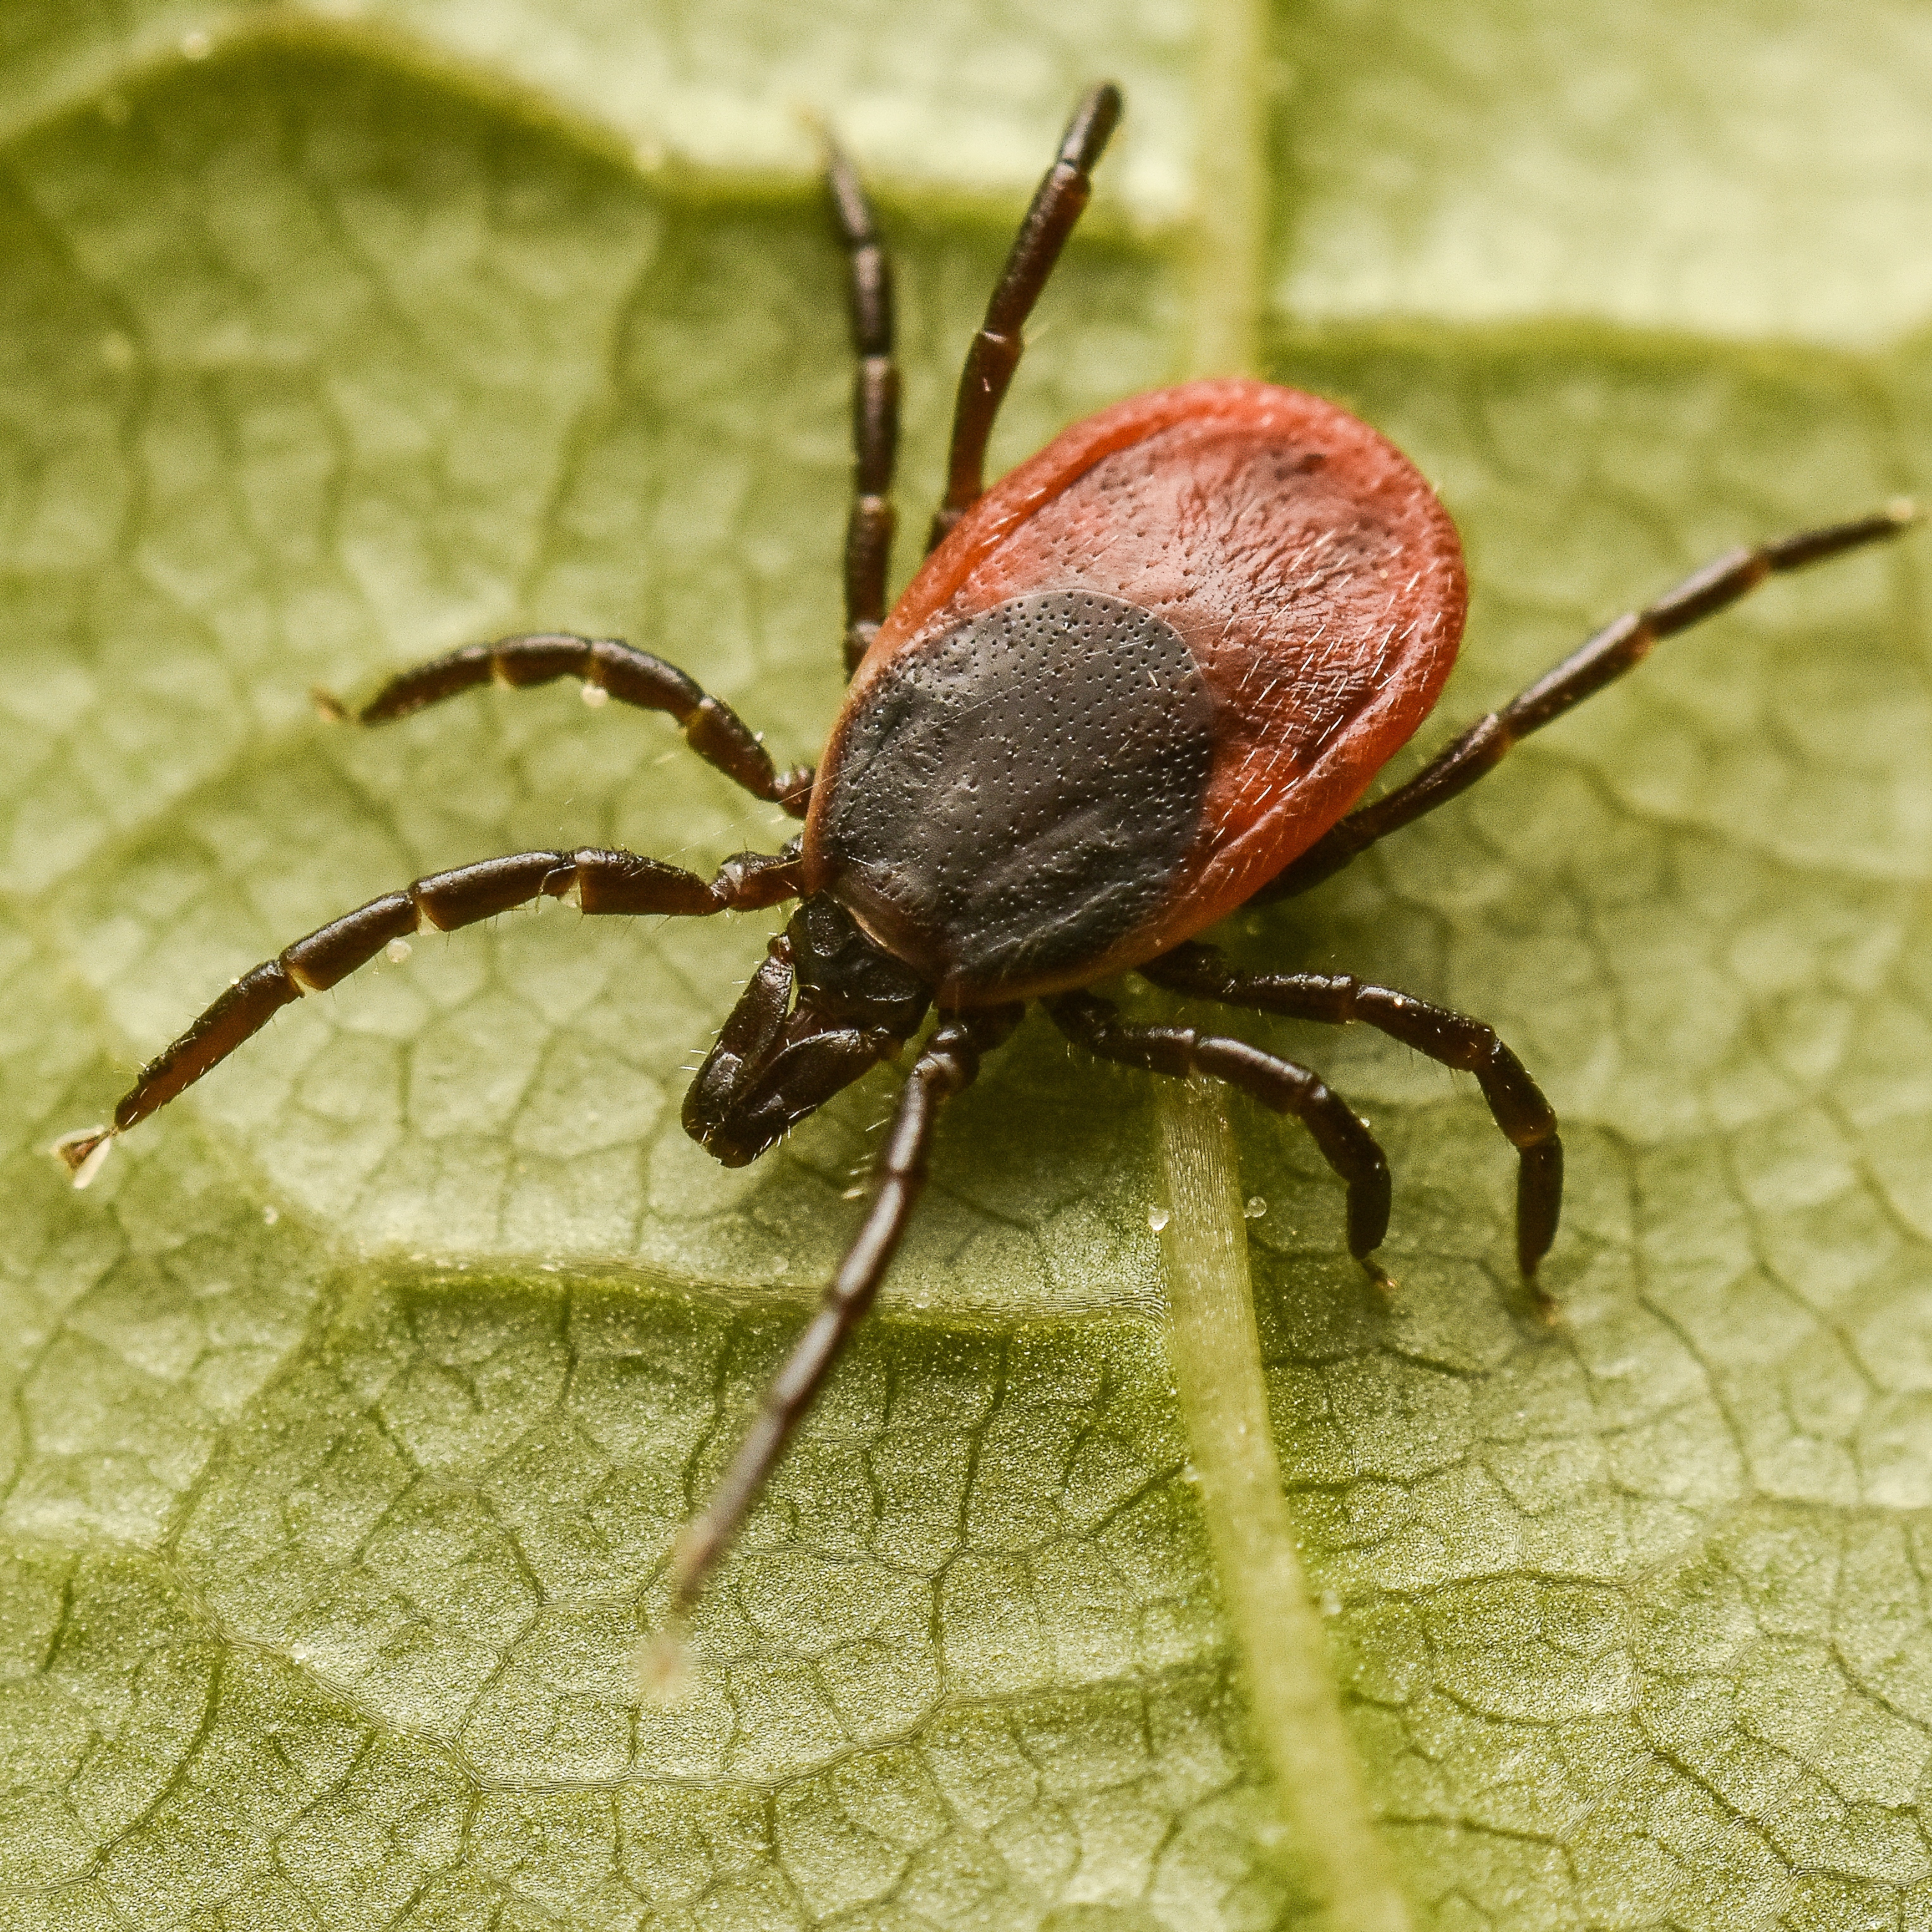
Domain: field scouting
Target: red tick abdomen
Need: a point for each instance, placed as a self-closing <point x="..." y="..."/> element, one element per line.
<point x="1315" y="588"/>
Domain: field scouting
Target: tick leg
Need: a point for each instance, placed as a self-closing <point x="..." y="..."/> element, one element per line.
<point x="1346" y="1142"/>
<point x="950" y="1062"/>
<point x="875" y="408"/>
<point x="712" y="728"/>
<point x="1058" y="204"/>
<point x="1515" y="1101"/>
<point x="604" y="882"/>
<point x="1617" y="648"/>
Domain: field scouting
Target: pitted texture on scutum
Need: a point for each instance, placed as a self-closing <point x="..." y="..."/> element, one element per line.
<point x="1013" y="798"/>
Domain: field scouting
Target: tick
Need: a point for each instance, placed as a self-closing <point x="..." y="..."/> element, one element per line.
<point x="1143" y="681"/>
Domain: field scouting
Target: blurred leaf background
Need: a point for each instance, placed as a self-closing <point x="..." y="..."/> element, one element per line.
<point x="352" y="1413"/>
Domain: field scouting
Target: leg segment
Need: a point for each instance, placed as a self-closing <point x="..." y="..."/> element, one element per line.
<point x="604" y="882"/>
<point x="712" y="728"/>
<point x="1346" y="1145"/>
<point x="1058" y="204"/>
<point x="1615" y="649"/>
<point x="950" y="1062"/>
<point x="1515" y="1101"/>
<point x="875" y="409"/>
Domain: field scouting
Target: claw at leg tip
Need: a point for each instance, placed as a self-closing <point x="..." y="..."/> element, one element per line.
<point x="1377" y="1273"/>
<point x="330" y="708"/>
<point x="83" y="1154"/>
<point x="663" y="1666"/>
<point x="1542" y="1300"/>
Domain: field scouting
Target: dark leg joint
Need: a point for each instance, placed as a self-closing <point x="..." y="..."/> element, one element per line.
<point x="332" y="951"/>
<point x="1515" y="1099"/>
<point x="629" y="885"/>
<point x="869" y="545"/>
<point x="721" y="737"/>
<point x="750" y="881"/>
<point x="479" y="892"/>
<point x="858" y="641"/>
<point x="635" y="677"/>
<point x="522" y="661"/>
<point x="1708" y="591"/>
<point x="875" y="424"/>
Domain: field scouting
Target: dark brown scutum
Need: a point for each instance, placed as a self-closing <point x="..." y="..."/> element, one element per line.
<point x="1012" y="799"/>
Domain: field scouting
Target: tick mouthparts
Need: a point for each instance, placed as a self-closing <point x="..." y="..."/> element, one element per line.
<point x="83" y="1154"/>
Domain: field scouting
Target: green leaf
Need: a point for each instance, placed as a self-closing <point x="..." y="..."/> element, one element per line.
<point x="354" y="1409"/>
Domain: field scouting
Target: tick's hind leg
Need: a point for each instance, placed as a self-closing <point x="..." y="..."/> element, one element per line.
<point x="1618" y="647"/>
<point x="1515" y="1101"/>
<point x="609" y="669"/>
<point x="1058" y="204"/>
<point x="604" y="882"/>
<point x="875" y="409"/>
<point x="1346" y="1142"/>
